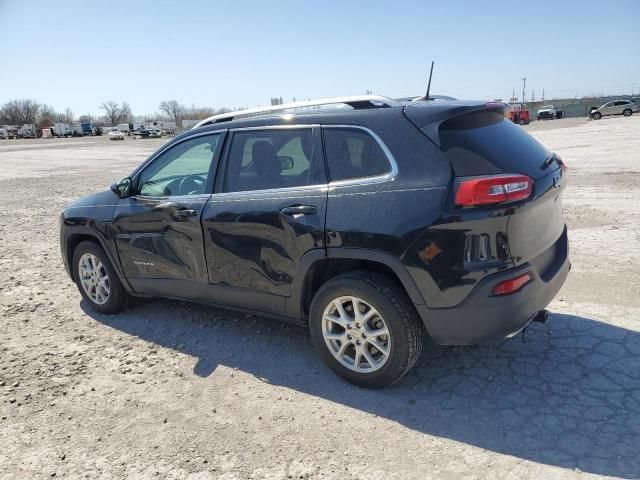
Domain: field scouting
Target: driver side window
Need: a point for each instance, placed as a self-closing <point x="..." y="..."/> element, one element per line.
<point x="181" y="170"/>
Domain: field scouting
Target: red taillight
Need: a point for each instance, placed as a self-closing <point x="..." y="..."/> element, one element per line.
<point x="490" y="190"/>
<point x="513" y="285"/>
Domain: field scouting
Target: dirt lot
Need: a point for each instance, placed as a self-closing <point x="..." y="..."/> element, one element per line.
<point x="173" y="390"/>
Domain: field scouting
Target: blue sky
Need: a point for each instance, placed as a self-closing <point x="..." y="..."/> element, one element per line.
<point x="240" y="53"/>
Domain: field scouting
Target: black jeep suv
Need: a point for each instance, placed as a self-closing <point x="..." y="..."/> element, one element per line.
<point x="374" y="222"/>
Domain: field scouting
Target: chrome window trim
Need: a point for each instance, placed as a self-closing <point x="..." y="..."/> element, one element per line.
<point x="324" y="187"/>
<point x="183" y="198"/>
<point x="310" y="126"/>
<point x="392" y="174"/>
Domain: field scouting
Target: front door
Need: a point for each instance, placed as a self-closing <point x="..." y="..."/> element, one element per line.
<point x="158" y="230"/>
<point x="267" y="212"/>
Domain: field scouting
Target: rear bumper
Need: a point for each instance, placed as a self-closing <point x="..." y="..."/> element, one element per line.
<point x="483" y="317"/>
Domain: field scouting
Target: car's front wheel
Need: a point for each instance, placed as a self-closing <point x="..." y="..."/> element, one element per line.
<point x="597" y="116"/>
<point x="97" y="281"/>
<point x="366" y="329"/>
<point x="627" y="112"/>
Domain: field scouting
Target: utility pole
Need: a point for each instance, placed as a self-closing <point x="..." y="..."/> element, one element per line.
<point x="524" y="83"/>
<point x="543" y="95"/>
<point x="533" y="96"/>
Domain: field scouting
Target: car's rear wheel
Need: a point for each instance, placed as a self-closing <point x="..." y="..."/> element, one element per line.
<point x="366" y="329"/>
<point x="597" y="116"/>
<point x="627" y="112"/>
<point x="97" y="281"/>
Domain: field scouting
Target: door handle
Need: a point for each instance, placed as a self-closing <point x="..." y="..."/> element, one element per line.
<point x="176" y="209"/>
<point x="298" y="210"/>
<point x="166" y="206"/>
<point x="186" y="212"/>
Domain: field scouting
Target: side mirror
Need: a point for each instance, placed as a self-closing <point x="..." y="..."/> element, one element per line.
<point x="122" y="188"/>
<point x="286" y="163"/>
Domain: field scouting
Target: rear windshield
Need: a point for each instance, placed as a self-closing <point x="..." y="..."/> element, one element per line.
<point x="486" y="143"/>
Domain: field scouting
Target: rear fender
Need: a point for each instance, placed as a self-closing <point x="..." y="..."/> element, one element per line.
<point x="294" y="303"/>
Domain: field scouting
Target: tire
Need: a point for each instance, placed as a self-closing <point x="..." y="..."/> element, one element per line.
<point x="597" y="116"/>
<point x="627" y="112"/>
<point x="394" y="310"/>
<point x="116" y="298"/>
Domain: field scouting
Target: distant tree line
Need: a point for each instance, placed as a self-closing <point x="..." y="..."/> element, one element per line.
<point x="21" y="111"/>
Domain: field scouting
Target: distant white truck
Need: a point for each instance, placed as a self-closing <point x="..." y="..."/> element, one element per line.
<point x="8" y="131"/>
<point x="163" y="126"/>
<point x="547" y="112"/>
<point x="123" y="127"/>
<point x="28" y="130"/>
<point x="77" y="131"/>
<point x="61" y="130"/>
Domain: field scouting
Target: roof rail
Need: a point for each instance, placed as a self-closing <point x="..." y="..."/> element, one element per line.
<point x="357" y="102"/>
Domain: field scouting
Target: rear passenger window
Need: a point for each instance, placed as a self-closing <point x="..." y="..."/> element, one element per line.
<point x="353" y="153"/>
<point x="266" y="159"/>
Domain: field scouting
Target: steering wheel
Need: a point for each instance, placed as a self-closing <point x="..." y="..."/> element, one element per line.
<point x="191" y="185"/>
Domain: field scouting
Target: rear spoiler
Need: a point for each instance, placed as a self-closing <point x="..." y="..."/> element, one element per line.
<point x="429" y="116"/>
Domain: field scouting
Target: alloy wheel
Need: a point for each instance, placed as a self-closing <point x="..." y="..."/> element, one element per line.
<point x="356" y="334"/>
<point x="94" y="278"/>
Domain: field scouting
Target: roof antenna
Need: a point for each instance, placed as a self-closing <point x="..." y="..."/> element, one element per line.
<point x="429" y="84"/>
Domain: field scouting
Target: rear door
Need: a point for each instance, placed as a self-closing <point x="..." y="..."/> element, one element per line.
<point x="158" y="231"/>
<point x="608" y="109"/>
<point x="619" y="106"/>
<point x="268" y="211"/>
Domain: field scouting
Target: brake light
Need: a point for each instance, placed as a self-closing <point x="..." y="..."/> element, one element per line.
<point x="490" y="190"/>
<point x="513" y="285"/>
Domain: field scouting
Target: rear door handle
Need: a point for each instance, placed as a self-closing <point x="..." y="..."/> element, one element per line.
<point x="186" y="212"/>
<point x="298" y="210"/>
<point x="166" y="206"/>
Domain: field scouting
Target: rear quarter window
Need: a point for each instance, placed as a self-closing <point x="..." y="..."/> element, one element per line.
<point x="486" y="143"/>
<point x="353" y="153"/>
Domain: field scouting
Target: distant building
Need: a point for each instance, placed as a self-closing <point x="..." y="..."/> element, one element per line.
<point x="188" y="124"/>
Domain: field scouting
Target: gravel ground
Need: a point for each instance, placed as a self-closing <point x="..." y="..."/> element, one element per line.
<point x="174" y="390"/>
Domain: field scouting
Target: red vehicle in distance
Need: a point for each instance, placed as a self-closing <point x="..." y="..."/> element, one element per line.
<point x="518" y="113"/>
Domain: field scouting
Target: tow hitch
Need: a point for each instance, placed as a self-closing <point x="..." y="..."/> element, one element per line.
<point x="540" y="317"/>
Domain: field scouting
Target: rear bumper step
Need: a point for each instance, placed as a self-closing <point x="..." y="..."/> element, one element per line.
<point x="484" y="317"/>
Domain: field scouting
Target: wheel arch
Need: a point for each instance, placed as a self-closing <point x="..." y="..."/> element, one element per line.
<point x="317" y="267"/>
<point x="76" y="236"/>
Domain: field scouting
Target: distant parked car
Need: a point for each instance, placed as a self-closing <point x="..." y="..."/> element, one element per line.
<point x="116" y="135"/>
<point x="155" y="133"/>
<point x="617" y="107"/>
<point x="547" y="112"/>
